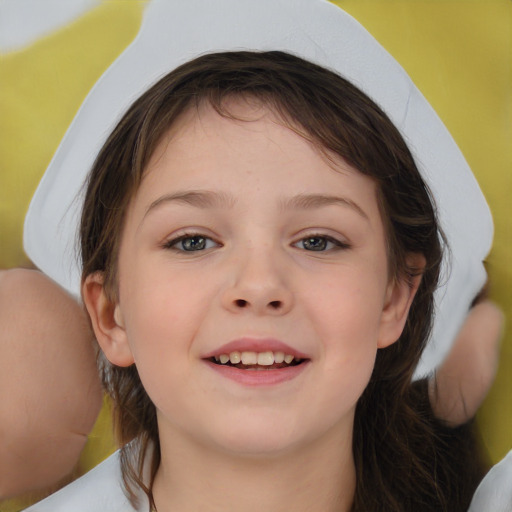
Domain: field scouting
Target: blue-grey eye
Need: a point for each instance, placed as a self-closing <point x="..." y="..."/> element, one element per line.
<point x="190" y="243"/>
<point x="315" y="243"/>
<point x="193" y="243"/>
<point x="320" y="243"/>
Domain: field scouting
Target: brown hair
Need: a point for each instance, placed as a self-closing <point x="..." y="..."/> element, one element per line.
<point x="402" y="455"/>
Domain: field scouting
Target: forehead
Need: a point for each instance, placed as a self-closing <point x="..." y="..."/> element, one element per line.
<point x="244" y="109"/>
<point x="252" y="160"/>
<point x="247" y="134"/>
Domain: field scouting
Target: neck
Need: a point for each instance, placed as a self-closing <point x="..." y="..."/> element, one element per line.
<point x="316" y="477"/>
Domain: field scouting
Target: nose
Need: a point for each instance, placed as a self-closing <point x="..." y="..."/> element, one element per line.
<point x="259" y="284"/>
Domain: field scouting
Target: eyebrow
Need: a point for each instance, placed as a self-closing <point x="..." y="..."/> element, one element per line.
<point x="205" y="199"/>
<point x="312" y="201"/>
<point x="198" y="198"/>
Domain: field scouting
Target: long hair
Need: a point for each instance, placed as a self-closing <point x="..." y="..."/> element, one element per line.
<point x="399" y="449"/>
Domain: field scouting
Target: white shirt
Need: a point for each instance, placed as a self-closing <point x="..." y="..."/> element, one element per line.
<point x="495" y="491"/>
<point x="99" y="490"/>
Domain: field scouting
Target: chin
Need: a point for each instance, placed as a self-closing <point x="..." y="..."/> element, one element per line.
<point x="258" y="448"/>
<point x="261" y="439"/>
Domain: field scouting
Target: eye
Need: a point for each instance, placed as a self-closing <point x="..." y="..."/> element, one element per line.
<point x="191" y="243"/>
<point x="320" y="243"/>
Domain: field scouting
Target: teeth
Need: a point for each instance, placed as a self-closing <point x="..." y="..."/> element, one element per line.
<point x="252" y="358"/>
<point x="249" y="358"/>
<point x="235" y="357"/>
<point x="278" y="357"/>
<point x="266" y="358"/>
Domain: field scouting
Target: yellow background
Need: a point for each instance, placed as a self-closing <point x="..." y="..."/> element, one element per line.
<point x="459" y="53"/>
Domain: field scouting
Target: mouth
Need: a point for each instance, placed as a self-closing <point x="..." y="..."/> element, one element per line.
<point x="248" y="360"/>
<point x="256" y="362"/>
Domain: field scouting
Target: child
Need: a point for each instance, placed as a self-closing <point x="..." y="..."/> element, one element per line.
<point x="253" y="211"/>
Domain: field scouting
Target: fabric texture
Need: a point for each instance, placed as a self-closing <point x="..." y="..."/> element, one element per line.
<point x="99" y="490"/>
<point x="494" y="494"/>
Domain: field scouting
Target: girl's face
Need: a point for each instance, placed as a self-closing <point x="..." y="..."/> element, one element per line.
<point x="244" y="242"/>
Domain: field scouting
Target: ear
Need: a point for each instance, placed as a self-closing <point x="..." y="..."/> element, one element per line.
<point x="107" y="321"/>
<point x="399" y="296"/>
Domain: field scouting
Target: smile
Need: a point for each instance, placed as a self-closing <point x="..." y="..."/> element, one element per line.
<point x="257" y="362"/>
<point x="248" y="360"/>
<point x="254" y="361"/>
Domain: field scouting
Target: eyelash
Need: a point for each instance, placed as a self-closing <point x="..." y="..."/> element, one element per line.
<point x="336" y="244"/>
<point x="172" y="244"/>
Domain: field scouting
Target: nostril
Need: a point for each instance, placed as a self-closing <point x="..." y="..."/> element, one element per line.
<point x="242" y="303"/>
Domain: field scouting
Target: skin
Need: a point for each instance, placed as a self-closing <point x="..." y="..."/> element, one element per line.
<point x="460" y="385"/>
<point x="279" y="447"/>
<point x="456" y="391"/>
<point x="33" y="436"/>
<point x="50" y="393"/>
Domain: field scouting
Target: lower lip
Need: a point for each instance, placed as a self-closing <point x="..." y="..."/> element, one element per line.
<point x="259" y="377"/>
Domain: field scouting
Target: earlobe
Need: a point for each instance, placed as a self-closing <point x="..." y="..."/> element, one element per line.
<point x="107" y="321"/>
<point x="399" y="297"/>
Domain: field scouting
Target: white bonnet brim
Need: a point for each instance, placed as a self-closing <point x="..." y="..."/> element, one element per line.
<point x="175" y="32"/>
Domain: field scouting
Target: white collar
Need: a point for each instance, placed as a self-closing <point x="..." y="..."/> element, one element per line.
<point x="101" y="489"/>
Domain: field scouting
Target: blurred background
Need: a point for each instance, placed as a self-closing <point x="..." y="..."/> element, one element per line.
<point x="458" y="52"/>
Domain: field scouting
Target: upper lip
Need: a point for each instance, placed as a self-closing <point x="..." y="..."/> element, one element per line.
<point x="248" y="344"/>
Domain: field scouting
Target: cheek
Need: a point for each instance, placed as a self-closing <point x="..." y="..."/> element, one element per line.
<point x="164" y="309"/>
<point x="349" y="309"/>
<point x="349" y="361"/>
<point x="350" y="348"/>
<point x="348" y="317"/>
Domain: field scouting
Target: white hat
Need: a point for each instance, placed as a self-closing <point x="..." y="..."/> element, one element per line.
<point x="176" y="31"/>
